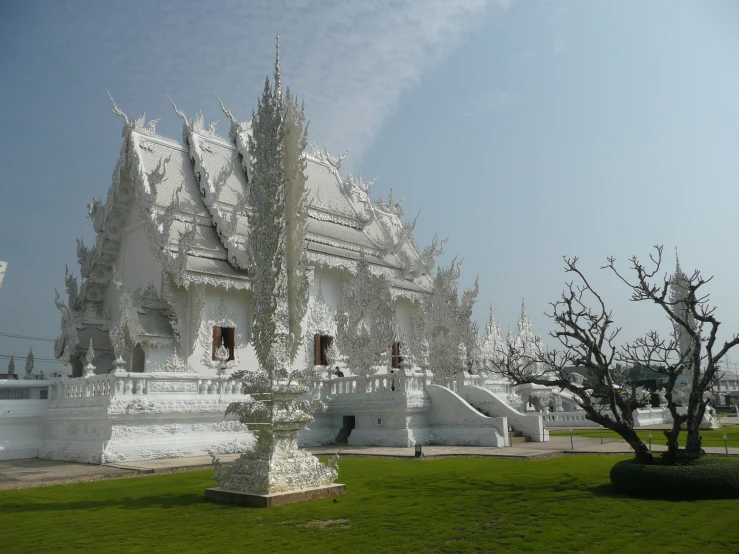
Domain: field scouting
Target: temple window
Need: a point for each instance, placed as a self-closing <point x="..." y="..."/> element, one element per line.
<point x="396" y="357"/>
<point x="225" y="335"/>
<point x="320" y="345"/>
<point x="138" y="359"/>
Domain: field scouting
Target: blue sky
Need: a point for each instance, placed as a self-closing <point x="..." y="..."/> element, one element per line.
<point x="523" y="130"/>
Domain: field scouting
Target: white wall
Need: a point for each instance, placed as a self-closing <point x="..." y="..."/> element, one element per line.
<point x="135" y="263"/>
<point x="331" y="282"/>
<point x="22" y="428"/>
<point x="138" y="266"/>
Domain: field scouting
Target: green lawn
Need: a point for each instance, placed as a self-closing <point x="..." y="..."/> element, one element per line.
<point x="711" y="437"/>
<point x="449" y="505"/>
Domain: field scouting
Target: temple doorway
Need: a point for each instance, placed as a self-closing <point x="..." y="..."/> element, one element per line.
<point x="346" y="429"/>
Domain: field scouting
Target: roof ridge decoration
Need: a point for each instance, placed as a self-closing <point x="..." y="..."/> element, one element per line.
<point x="239" y="135"/>
<point x="211" y="192"/>
<point x="359" y="192"/>
<point x="390" y="205"/>
<point x="70" y="323"/>
<point x="322" y="155"/>
<point x="414" y="262"/>
<point x="139" y="124"/>
<point x="157" y="225"/>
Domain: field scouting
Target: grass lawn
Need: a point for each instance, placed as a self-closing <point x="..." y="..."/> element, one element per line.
<point x="711" y="437"/>
<point x="449" y="505"/>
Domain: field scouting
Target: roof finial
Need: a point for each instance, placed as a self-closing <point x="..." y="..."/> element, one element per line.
<point x="224" y="109"/>
<point x="117" y="111"/>
<point x="177" y="110"/>
<point x="278" y="77"/>
<point x="677" y="262"/>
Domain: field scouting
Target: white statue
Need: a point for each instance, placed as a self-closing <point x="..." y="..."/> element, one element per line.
<point x="279" y="286"/>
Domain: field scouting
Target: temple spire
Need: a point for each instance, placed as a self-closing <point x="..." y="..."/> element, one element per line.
<point x="278" y="75"/>
<point x="677" y="263"/>
<point x="29" y="362"/>
<point x="524" y="316"/>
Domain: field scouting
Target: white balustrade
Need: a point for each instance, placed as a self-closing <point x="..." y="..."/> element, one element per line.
<point x="390" y="385"/>
<point x="77" y="389"/>
<point x="567" y="419"/>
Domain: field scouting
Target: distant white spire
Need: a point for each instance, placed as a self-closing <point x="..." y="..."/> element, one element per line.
<point x="524" y="337"/>
<point x="679" y="294"/>
<point x="278" y="74"/>
<point x="493" y="341"/>
<point x="29" y="362"/>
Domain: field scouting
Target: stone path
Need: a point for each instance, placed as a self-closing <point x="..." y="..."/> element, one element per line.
<point x="18" y="474"/>
<point x="34" y="473"/>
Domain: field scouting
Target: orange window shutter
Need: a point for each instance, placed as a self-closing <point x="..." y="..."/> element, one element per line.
<point x="324" y="345"/>
<point x="317" y="349"/>
<point x="396" y="355"/>
<point x="231" y="343"/>
<point x="216" y="340"/>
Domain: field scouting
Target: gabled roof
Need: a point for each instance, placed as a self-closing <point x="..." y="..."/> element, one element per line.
<point x="193" y="198"/>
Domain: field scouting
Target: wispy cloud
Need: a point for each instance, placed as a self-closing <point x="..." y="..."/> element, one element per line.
<point x="367" y="59"/>
<point x="351" y="62"/>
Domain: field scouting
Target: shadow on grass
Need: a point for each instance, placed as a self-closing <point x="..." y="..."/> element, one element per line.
<point x="605" y="490"/>
<point x="165" y="502"/>
<point x="421" y="490"/>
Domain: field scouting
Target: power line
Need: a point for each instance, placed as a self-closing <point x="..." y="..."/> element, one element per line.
<point x="25" y="337"/>
<point x="35" y="359"/>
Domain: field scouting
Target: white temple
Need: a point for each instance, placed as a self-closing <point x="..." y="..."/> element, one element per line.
<point x="163" y="314"/>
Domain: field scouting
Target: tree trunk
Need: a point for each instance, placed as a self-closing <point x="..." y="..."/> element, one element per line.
<point x="641" y="451"/>
<point x="694" y="440"/>
<point x="673" y="448"/>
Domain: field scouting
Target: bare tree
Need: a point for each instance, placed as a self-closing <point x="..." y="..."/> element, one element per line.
<point x="690" y="350"/>
<point x="585" y="330"/>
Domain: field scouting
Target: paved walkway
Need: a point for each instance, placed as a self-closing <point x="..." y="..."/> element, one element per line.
<point x="33" y="473"/>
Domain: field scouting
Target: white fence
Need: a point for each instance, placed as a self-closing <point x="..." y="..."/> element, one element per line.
<point x="67" y="391"/>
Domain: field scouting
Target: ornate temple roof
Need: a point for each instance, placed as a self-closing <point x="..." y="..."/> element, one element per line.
<point x="193" y="197"/>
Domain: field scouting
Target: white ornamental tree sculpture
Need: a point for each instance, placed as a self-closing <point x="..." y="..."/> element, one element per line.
<point x="444" y="321"/>
<point x="365" y="328"/>
<point x="279" y="288"/>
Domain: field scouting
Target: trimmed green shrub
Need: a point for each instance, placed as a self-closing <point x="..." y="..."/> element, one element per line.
<point x="707" y="477"/>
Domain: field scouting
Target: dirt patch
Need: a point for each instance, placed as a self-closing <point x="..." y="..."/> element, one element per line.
<point x="324" y="523"/>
